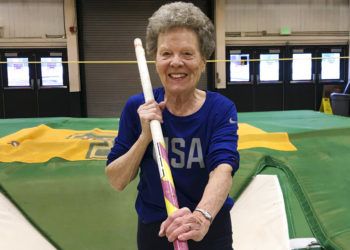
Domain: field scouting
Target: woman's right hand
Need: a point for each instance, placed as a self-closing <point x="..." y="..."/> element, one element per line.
<point x="149" y="111"/>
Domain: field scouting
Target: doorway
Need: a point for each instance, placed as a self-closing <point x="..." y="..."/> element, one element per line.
<point x="34" y="83"/>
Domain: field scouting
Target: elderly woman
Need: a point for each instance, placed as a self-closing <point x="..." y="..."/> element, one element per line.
<point x="200" y="130"/>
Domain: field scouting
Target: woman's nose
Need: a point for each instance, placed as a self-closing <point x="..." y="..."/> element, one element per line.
<point x="176" y="61"/>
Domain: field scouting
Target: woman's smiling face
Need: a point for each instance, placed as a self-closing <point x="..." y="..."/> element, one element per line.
<point x="179" y="62"/>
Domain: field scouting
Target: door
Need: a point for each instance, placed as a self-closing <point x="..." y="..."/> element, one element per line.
<point x="255" y="78"/>
<point x="35" y="83"/>
<point x="240" y="78"/>
<point x="332" y="68"/>
<point x="300" y="90"/>
<point x="52" y="84"/>
<point x="268" y="87"/>
<point x="284" y="78"/>
<point x="20" y="97"/>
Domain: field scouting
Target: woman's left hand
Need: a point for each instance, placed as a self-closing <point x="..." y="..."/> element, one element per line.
<point x="184" y="225"/>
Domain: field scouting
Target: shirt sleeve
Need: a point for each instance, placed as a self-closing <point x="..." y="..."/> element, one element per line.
<point x="129" y="130"/>
<point x="223" y="142"/>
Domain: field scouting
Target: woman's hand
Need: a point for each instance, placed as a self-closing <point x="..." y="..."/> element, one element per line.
<point x="184" y="225"/>
<point x="149" y="111"/>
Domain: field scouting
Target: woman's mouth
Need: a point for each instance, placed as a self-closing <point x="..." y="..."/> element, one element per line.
<point x="177" y="76"/>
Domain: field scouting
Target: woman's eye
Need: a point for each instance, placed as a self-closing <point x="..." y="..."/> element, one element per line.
<point x="188" y="54"/>
<point x="166" y="53"/>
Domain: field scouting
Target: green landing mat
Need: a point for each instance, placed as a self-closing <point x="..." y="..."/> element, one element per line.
<point x="72" y="203"/>
<point x="318" y="172"/>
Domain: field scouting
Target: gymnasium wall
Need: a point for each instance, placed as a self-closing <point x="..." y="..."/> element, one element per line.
<point x="299" y="15"/>
<point x="31" y="19"/>
<point x="107" y="29"/>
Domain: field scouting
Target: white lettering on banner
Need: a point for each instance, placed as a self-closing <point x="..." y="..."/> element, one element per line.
<point x="178" y="148"/>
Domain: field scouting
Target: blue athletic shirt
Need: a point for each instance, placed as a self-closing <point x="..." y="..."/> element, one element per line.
<point x="196" y="145"/>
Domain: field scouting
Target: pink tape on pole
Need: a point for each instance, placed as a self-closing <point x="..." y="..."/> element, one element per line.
<point x="167" y="185"/>
<point x="170" y="193"/>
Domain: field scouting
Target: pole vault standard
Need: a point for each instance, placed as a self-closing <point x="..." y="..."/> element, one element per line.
<point x="158" y="142"/>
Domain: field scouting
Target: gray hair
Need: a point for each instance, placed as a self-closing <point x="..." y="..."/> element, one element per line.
<point x="180" y="14"/>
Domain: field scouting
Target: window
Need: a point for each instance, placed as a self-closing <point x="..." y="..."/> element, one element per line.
<point x="302" y="66"/>
<point x="330" y="66"/>
<point x="239" y="68"/>
<point x="18" y="72"/>
<point x="52" y="71"/>
<point x="269" y="67"/>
